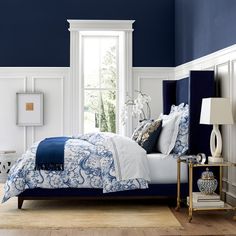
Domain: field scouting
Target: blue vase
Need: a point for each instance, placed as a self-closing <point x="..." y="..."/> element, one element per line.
<point x="207" y="184"/>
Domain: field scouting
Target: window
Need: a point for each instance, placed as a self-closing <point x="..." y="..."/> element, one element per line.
<point x="100" y="56"/>
<point x="100" y="73"/>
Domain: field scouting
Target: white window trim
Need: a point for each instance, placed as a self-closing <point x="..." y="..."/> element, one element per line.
<point x="75" y="28"/>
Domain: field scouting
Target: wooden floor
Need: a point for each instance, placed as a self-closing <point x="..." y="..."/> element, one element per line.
<point x="213" y="223"/>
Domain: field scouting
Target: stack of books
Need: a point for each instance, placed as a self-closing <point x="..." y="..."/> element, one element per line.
<point x="203" y="200"/>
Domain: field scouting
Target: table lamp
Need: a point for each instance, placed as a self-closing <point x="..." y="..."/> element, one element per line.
<point x="216" y="111"/>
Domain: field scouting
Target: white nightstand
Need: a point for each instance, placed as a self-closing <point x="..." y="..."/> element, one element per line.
<point x="6" y="162"/>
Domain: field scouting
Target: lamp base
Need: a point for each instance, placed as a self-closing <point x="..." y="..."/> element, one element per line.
<point x="215" y="159"/>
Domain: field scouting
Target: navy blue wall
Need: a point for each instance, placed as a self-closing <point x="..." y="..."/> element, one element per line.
<point x="35" y="32"/>
<point x="202" y="27"/>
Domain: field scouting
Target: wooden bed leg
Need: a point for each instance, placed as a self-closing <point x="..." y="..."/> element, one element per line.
<point x="20" y="202"/>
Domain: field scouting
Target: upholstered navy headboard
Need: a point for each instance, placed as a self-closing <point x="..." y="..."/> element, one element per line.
<point x="191" y="90"/>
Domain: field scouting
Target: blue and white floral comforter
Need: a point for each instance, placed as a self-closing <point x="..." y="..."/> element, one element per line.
<point x="95" y="160"/>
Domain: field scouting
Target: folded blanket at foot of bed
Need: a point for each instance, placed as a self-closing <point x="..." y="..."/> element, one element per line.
<point x="50" y="154"/>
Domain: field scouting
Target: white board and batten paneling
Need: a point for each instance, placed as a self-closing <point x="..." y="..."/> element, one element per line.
<point x="149" y="81"/>
<point x="54" y="83"/>
<point x="223" y="62"/>
<point x="59" y="117"/>
<point x="9" y="132"/>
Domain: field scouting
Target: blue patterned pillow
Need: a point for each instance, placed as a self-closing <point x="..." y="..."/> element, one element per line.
<point x="181" y="144"/>
<point x="178" y="108"/>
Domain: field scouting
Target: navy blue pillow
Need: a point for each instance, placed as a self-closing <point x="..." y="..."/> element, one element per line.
<point x="149" y="135"/>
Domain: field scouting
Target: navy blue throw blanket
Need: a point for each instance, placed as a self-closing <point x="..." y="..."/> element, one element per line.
<point x="50" y="154"/>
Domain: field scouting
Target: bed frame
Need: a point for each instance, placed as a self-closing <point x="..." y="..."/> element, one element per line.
<point x="191" y="90"/>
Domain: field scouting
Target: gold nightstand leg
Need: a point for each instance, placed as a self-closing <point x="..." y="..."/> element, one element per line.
<point x="221" y="182"/>
<point x="178" y="184"/>
<point x="190" y="209"/>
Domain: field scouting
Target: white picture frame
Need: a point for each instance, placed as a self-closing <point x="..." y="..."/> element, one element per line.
<point x="29" y="109"/>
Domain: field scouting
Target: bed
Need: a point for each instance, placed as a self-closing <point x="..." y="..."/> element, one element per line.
<point x="191" y="90"/>
<point x="158" y="164"/>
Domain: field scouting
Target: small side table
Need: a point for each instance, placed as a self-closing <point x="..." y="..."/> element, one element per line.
<point x="6" y="162"/>
<point x="191" y="166"/>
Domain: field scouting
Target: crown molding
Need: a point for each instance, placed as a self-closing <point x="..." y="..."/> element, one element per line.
<point x="99" y="25"/>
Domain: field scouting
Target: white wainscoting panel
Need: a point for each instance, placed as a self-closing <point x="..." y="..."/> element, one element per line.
<point x="54" y="83"/>
<point x="53" y="107"/>
<point x="223" y="62"/>
<point x="60" y="100"/>
<point x="232" y="172"/>
<point x="11" y="136"/>
<point x="149" y="80"/>
<point x="222" y="75"/>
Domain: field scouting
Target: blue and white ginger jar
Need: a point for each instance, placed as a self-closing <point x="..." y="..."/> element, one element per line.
<point x="207" y="184"/>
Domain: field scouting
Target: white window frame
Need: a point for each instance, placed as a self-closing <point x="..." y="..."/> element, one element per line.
<point x="77" y="28"/>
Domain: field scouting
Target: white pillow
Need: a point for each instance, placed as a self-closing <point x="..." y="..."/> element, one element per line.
<point x="169" y="132"/>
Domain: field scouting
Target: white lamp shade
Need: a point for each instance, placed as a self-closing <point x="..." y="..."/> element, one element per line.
<point x="216" y="111"/>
